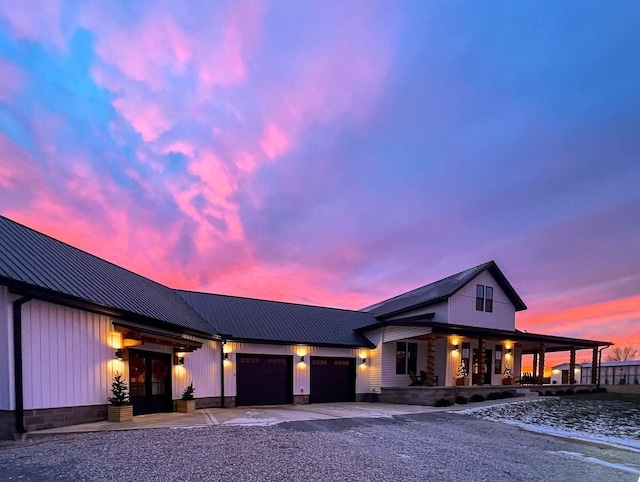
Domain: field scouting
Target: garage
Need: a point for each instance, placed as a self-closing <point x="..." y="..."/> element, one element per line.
<point x="332" y="380"/>
<point x="264" y="379"/>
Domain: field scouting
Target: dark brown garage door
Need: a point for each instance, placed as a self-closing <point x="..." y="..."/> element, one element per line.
<point x="264" y="380"/>
<point x="333" y="380"/>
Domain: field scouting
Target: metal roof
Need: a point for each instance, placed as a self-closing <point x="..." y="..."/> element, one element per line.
<point x="252" y="319"/>
<point x="31" y="260"/>
<point x="443" y="289"/>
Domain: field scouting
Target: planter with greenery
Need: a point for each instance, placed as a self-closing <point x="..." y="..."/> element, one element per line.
<point x="461" y="377"/>
<point x="120" y="409"/>
<point x="508" y="375"/>
<point x="187" y="404"/>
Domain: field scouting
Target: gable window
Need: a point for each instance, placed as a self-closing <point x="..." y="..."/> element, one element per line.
<point x="406" y="357"/>
<point x="488" y="299"/>
<point x="479" y="297"/>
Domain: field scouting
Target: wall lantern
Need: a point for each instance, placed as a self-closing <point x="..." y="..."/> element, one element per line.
<point x="226" y="356"/>
<point x="118" y="354"/>
<point x="509" y="351"/>
<point x="181" y="361"/>
<point x="456" y="347"/>
<point x="364" y="361"/>
<point x="302" y="359"/>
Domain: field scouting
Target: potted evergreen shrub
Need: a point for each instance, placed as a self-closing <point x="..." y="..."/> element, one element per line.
<point x="462" y="379"/>
<point x="120" y="409"/>
<point x="187" y="404"/>
<point x="508" y="375"/>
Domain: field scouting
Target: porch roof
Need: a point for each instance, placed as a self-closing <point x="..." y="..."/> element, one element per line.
<point x="529" y="342"/>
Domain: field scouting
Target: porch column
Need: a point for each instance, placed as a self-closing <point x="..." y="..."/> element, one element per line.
<point x="431" y="361"/>
<point x="482" y="368"/>
<point x="594" y="366"/>
<point x="534" y="374"/>
<point x="541" y="364"/>
<point x="572" y="366"/>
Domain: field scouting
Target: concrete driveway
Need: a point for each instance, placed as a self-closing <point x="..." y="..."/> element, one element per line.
<point x="257" y="416"/>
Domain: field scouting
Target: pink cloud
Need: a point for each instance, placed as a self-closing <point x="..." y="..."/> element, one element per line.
<point x="11" y="80"/>
<point x="147" y="119"/>
<point x="274" y="141"/>
<point x="35" y="20"/>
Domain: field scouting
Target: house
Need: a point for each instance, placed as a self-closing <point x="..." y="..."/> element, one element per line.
<point x="70" y="321"/>
<point x="625" y="372"/>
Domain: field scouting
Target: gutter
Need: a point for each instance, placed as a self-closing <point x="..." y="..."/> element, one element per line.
<point x="17" y="362"/>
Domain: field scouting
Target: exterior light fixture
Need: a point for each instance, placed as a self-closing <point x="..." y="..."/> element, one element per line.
<point x="118" y="354"/>
<point x="509" y="351"/>
<point x="181" y="361"/>
<point x="226" y="356"/>
<point x="364" y="361"/>
<point x="456" y="347"/>
<point x="302" y="359"/>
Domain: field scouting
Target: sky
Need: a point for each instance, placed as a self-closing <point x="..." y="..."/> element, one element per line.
<point x="336" y="153"/>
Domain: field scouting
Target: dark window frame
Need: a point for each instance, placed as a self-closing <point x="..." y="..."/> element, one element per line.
<point x="479" y="297"/>
<point x="488" y="299"/>
<point x="406" y="357"/>
<point x="497" y="360"/>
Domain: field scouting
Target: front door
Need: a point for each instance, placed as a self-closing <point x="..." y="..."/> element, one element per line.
<point x="488" y="363"/>
<point x="150" y="382"/>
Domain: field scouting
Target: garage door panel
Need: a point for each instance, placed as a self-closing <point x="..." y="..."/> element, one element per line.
<point x="332" y="380"/>
<point x="263" y="380"/>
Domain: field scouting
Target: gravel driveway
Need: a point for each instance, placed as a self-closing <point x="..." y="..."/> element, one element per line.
<point x="436" y="446"/>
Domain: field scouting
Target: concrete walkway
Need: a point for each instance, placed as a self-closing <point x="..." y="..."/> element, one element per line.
<point x="261" y="416"/>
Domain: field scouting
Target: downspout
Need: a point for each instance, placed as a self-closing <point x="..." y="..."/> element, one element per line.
<point x="222" y="343"/>
<point x="17" y="362"/>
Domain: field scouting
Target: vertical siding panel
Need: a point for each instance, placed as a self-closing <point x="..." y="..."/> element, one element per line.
<point x="27" y="356"/>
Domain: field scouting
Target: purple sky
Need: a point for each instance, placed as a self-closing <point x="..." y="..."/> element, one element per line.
<point x="336" y="153"/>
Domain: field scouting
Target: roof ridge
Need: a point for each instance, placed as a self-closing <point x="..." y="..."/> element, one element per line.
<point x="486" y="264"/>
<point x="270" y="301"/>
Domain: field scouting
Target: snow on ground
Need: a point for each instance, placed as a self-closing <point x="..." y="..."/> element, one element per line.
<point x="605" y="421"/>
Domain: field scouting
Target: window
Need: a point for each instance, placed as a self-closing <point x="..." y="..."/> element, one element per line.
<point x="479" y="297"/>
<point x="406" y="357"/>
<point x="401" y="358"/>
<point x="498" y="361"/>
<point x="466" y="350"/>
<point x="488" y="301"/>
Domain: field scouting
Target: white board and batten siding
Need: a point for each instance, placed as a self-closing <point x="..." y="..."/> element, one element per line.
<point x="301" y="371"/>
<point x="462" y="306"/>
<point x="202" y="367"/>
<point x="440" y="312"/>
<point x="7" y="396"/>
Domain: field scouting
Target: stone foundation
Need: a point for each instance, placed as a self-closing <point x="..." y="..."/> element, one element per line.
<point x="7" y="425"/>
<point x="60" y="417"/>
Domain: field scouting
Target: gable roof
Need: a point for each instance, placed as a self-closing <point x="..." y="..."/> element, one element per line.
<point x="443" y="289"/>
<point x="249" y="319"/>
<point x="34" y="264"/>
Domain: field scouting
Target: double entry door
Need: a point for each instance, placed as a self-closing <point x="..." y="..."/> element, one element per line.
<point x="487" y="361"/>
<point x="150" y="382"/>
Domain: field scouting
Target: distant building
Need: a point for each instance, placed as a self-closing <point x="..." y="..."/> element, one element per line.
<point x="611" y="373"/>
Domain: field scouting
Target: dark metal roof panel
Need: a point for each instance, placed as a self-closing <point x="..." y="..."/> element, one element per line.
<point x="33" y="258"/>
<point x="441" y="290"/>
<point x="248" y="318"/>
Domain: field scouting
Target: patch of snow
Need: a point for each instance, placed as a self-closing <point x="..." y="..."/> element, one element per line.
<point x="252" y="422"/>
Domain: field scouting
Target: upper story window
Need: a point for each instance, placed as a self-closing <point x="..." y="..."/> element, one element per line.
<point x="479" y="297"/>
<point x="484" y="298"/>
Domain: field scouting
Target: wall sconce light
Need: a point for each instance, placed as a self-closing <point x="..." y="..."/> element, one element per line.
<point x="181" y="361"/>
<point x="302" y="359"/>
<point x="118" y="354"/>
<point x="226" y="356"/>
<point x="364" y="361"/>
<point x="456" y="347"/>
<point x="509" y="351"/>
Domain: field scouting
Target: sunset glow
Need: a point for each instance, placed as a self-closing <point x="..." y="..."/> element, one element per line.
<point x="335" y="153"/>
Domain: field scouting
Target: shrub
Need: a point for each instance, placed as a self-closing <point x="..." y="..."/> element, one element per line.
<point x="443" y="402"/>
<point x="540" y="394"/>
<point x="602" y="390"/>
<point x="187" y="394"/>
<point x="460" y="400"/>
<point x="476" y="397"/>
<point x="119" y="390"/>
<point x="569" y="391"/>
<point x="494" y="396"/>
<point x="507" y="394"/>
<point x="548" y="393"/>
<point x="583" y="391"/>
<point x="559" y="392"/>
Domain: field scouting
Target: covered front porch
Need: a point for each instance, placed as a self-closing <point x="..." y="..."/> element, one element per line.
<point x="426" y="354"/>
